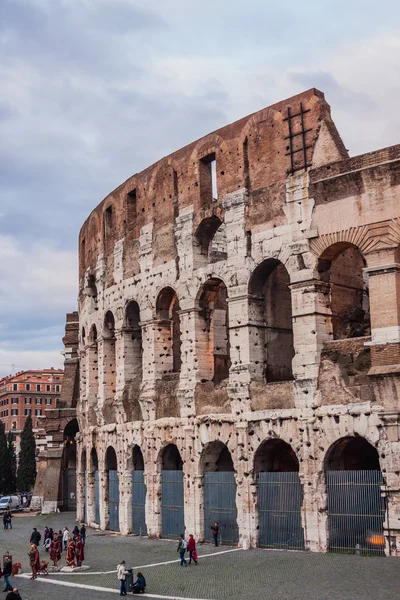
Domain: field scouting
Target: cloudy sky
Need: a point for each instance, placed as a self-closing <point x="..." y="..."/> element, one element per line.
<point x="93" y="91"/>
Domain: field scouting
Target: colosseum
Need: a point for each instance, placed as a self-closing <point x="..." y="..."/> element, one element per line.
<point x="239" y="341"/>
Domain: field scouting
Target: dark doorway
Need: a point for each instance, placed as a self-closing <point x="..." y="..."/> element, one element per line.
<point x="172" y="496"/>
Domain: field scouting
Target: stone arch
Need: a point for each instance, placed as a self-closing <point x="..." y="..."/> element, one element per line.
<point x="133" y="361"/>
<point x="139" y="491"/>
<point x="341" y="265"/>
<point x="69" y="465"/>
<point x="219" y="493"/>
<point x="279" y="496"/>
<point x="212" y="242"/>
<point x="94" y="460"/>
<point x="94" y="489"/>
<point x="168" y="338"/>
<point x="112" y="483"/>
<point x="172" y="495"/>
<point x="92" y="374"/>
<point x="169" y="458"/>
<point x="271" y="310"/>
<point x="83" y="460"/>
<point x="353" y="453"/>
<point x="109" y="367"/>
<point x="213" y="332"/>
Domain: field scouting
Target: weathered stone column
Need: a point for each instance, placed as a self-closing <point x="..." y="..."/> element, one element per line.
<point x="92" y="375"/>
<point x="80" y="495"/>
<point x="125" y="503"/>
<point x="104" y="500"/>
<point x="312" y="327"/>
<point x="243" y="483"/>
<point x="245" y="354"/>
<point x="384" y="297"/>
<point x="149" y="373"/>
<point x="91" y="508"/>
<point x="187" y="380"/>
<point x="153" y="503"/>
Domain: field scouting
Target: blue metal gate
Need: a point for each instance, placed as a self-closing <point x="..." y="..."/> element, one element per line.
<point x="172" y="506"/>
<point x="113" y="500"/>
<point x="280" y="497"/>
<point x="85" y="488"/>
<point x="220" y="506"/>
<point x="356" y="511"/>
<point x="138" y="503"/>
<point x="69" y="489"/>
<point x="97" y="497"/>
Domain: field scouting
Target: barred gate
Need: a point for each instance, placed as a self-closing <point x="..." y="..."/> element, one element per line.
<point x="69" y="489"/>
<point x="113" y="500"/>
<point x="280" y="497"/>
<point x="172" y="506"/>
<point x="356" y="511"/>
<point x="97" y="497"/>
<point x="220" y="506"/>
<point x="138" y="503"/>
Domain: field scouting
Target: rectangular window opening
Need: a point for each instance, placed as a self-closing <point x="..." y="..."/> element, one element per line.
<point x="108" y="220"/>
<point x="208" y="178"/>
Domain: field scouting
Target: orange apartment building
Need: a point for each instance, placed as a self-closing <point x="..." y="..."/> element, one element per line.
<point x="28" y="393"/>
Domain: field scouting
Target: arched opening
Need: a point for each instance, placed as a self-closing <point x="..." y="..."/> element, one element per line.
<point x="172" y="498"/>
<point x="92" y="370"/>
<point x="109" y="358"/>
<point x="85" y="484"/>
<point x="356" y="509"/>
<point x="280" y="496"/>
<point x="168" y="333"/>
<point x="213" y="332"/>
<point x="211" y="237"/>
<point x="219" y="493"/>
<point x="342" y="266"/>
<point x="133" y="358"/>
<point x="69" y="461"/>
<point x="271" y="315"/>
<point x="94" y="469"/>
<point x="138" y="493"/>
<point x="113" y="488"/>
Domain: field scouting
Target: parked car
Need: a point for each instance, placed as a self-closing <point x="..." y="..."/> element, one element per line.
<point x="9" y="503"/>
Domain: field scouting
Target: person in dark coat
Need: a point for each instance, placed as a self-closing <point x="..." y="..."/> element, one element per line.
<point x="214" y="531"/>
<point x="7" y="568"/>
<point x="9" y="518"/>
<point x="35" y="537"/>
<point x="140" y="584"/>
<point x="83" y="534"/>
<point x="5" y="520"/>
<point x="13" y="595"/>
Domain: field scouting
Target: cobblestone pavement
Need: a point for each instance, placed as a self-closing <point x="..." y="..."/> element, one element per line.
<point x="251" y="575"/>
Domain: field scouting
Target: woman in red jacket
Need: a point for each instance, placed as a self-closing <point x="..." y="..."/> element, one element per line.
<point x="192" y="549"/>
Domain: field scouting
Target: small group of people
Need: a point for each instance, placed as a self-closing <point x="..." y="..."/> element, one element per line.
<point x="138" y="587"/>
<point x="190" y="546"/>
<point x="7" y="519"/>
<point x="54" y="543"/>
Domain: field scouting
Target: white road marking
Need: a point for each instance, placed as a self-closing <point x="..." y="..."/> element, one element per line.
<point x="101" y="589"/>
<point x="168" y="562"/>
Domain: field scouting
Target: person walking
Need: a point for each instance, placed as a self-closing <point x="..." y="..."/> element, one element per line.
<point x="214" y="531"/>
<point x="65" y="537"/>
<point x="5" y="520"/>
<point x="55" y="550"/>
<point x="7" y="569"/>
<point x="34" y="560"/>
<point x="35" y="537"/>
<point x="121" y="574"/>
<point x="182" y="546"/>
<point x="9" y="519"/>
<point x="192" y="550"/>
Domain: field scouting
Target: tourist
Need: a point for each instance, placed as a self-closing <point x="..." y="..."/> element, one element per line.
<point x="13" y="595"/>
<point x="9" y="518"/>
<point x="35" y="537"/>
<point x="214" y="531"/>
<point x="46" y="533"/>
<point x="192" y="549"/>
<point x="140" y="584"/>
<point x="182" y="546"/>
<point x="34" y="560"/>
<point x="55" y="550"/>
<point x="75" y="531"/>
<point x="65" y="537"/>
<point x="70" y="557"/>
<point x="51" y="533"/>
<point x="5" y="520"/>
<point x="7" y="569"/>
<point x="79" y="552"/>
<point x="83" y="534"/>
<point x="121" y="574"/>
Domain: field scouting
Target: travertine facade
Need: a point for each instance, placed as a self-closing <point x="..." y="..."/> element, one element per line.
<point x="240" y="293"/>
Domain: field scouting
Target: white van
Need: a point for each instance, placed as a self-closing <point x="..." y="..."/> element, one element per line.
<point x="9" y="503"/>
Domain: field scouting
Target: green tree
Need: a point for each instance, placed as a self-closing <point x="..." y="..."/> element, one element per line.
<point x="27" y="459"/>
<point x="12" y="463"/>
<point x="3" y="457"/>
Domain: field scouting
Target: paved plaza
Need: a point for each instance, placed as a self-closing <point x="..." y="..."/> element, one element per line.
<point x="222" y="573"/>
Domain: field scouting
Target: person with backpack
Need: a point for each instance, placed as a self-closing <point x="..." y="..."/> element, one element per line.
<point x="182" y="547"/>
